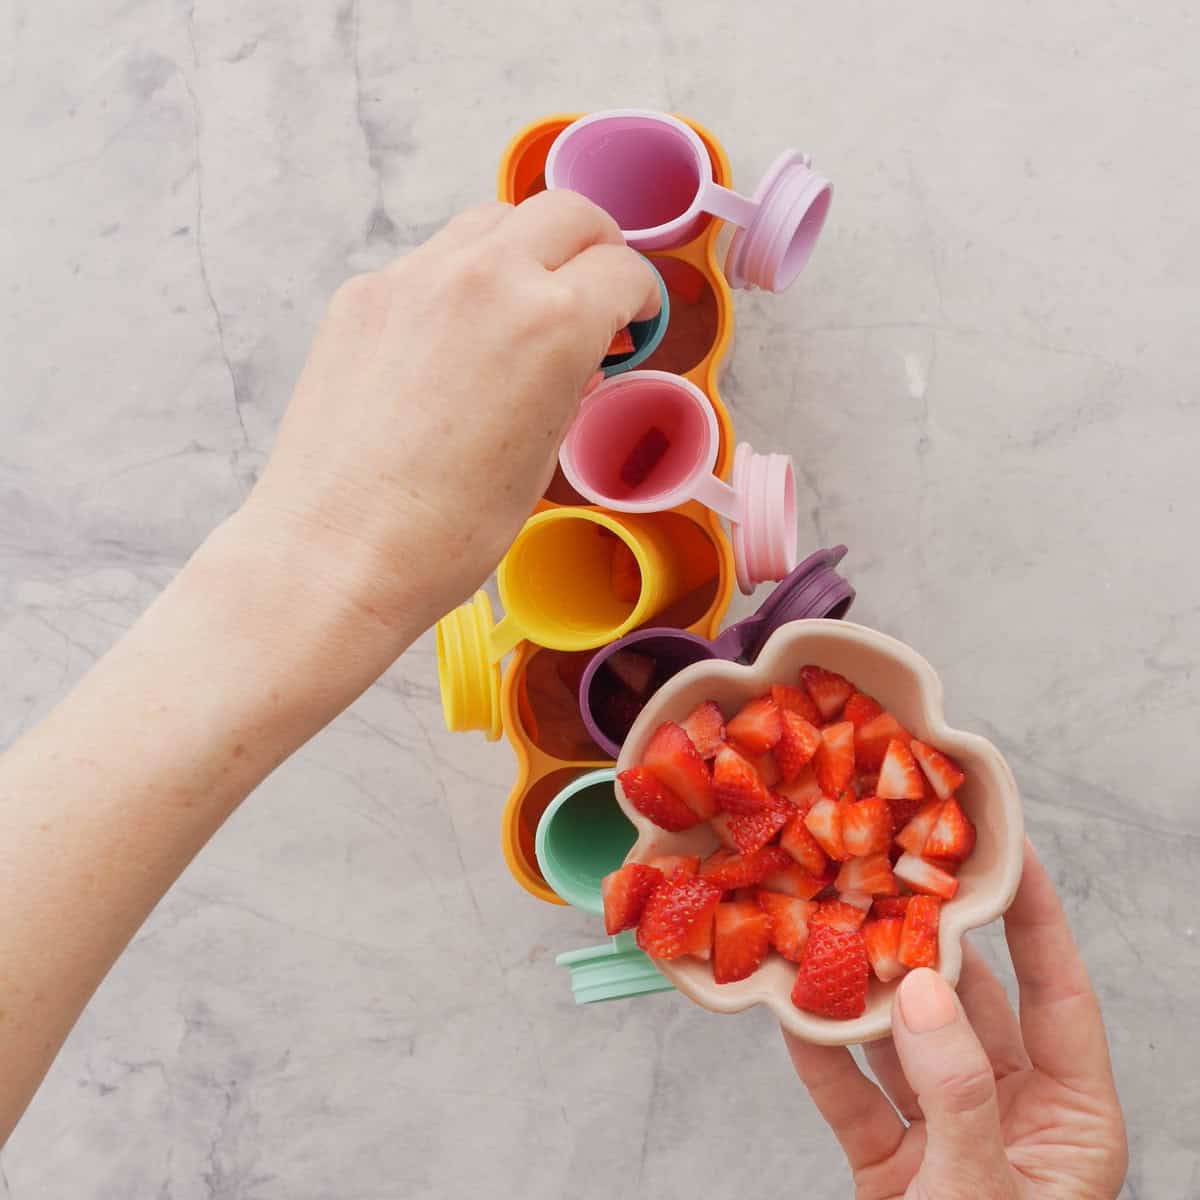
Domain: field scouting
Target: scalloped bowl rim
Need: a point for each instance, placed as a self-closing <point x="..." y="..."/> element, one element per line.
<point x="990" y="795"/>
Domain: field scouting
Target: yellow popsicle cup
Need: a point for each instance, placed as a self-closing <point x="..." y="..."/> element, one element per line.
<point x="557" y="586"/>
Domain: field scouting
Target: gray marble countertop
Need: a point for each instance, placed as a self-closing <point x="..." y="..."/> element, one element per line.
<point x="987" y="374"/>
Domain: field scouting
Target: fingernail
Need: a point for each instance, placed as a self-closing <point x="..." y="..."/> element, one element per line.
<point x="926" y="1001"/>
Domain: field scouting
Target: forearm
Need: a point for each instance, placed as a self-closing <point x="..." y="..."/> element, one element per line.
<point x="243" y="658"/>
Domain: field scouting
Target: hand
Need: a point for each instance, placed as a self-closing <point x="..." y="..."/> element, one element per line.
<point x="427" y="420"/>
<point x="995" y="1109"/>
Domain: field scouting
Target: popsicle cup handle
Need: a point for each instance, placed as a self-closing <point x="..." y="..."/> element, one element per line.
<point x="727" y="204"/>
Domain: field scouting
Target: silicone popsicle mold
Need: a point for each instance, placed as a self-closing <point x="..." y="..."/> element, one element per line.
<point x="647" y="335"/>
<point x="651" y="173"/>
<point x="614" y="421"/>
<point x="813" y="590"/>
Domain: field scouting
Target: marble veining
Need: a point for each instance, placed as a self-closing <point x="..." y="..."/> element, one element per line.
<point x="987" y="376"/>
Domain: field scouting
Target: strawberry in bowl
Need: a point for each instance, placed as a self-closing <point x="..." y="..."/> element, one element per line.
<point x="810" y="829"/>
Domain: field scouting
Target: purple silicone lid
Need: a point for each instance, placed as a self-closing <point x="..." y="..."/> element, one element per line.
<point x="813" y="589"/>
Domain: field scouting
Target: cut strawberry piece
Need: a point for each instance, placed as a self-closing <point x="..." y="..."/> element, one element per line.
<point x="834" y="759"/>
<point x="804" y="791"/>
<point x="675" y="864"/>
<point x="829" y="691"/>
<point x="903" y="811"/>
<point x="673" y="758"/>
<point x="793" y="880"/>
<point x="839" y="914"/>
<point x="900" y="778"/>
<point x="728" y="871"/>
<point x="625" y="576"/>
<point x="705" y="725"/>
<point x="634" y="670"/>
<point x="740" y="940"/>
<point x="622" y="343"/>
<point x="699" y="942"/>
<point x="757" y="727"/>
<point x="678" y="917"/>
<point x="796" y="700"/>
<point x="860" y="709"/>
<point x="652" y="798"/>
<point x="944" y="774"/>
<point x="802" y="846"/>
<point x="644" y="457"/>
<point x="824" y="821"/>
<point x="832" y="978"/>
<point x="798" y="742"/>
<point x="872" y="740"/>
<point x="889" y="906"/>
<point x="767" y="768"/>
<point x="860" y="900"/>
<point x="736" y="784"/>
<point x="787" y="922"/>
<point x="882" y="940"/>
<point x="916" y="833"/>
<point x="865" y="782"/>
<point x="924" y="877"/>
<point x="750" y="831"/>
<point x="625" y="892"/>
<point x="919" y="935"/>
<point x="867" y="826"/>
<point x="872" y="875"/>
<point x="953" y="836"/>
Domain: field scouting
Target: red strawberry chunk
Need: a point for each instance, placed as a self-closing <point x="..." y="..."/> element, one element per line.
<point x="804" y="791"/>
<point x="634" y="670"/>
<point x="839" y="914"/>
<point x="903" y="811"/>
<point x="889" y="906"/>
<point x="767" y="768"/>
<point x="924" y="877"/>
<point x="736" y="784"/>
<point x="652" y="798"/>
<point x="705" y="725"/>
<point x="625" y="576"/>
<point x="860" y="900"/>
<point x="678" y="917"/>
<point x="829" y="691"/>
<point x="671" y="864"/>
<point x="824" y="821"/>
<point x="798" y="742"/>
<point x="860" y="709"/>
<point x="900" y="778"/>
<point x="740" y="940"/>
<point x="793" y="880"/>
<point x="953" y="836"/>
<point x="919" y="935"/>
<point x="787" y="922"/>
<point x="882" y="940"/>
<point x="750" y="831"/>
<point x="802" y="846"/>
<point x="872" y="875"/>
<point x="727" y="871"/>
<point x="672" y="757"/>
<point x="795" y="700"/>
<point x="757" y="727"/>
<point x="944" y="774"/>
<point x="834" y="759"/>
<point x="867" y="826"/>
<point x="622" y="343"/>
<point x="832" y="977"/>
<point x="644" y="457"/>
<point x="916" y="833"/>
<point x="872" y="740"/>
<point x="625" y="892"/>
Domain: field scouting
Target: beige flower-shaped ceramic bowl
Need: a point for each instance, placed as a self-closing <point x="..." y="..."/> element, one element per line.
<point x="904" y="683"/>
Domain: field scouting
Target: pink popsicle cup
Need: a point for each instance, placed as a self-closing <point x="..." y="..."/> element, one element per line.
<point x="652" y="174"/>
<point x="759" y="501"/>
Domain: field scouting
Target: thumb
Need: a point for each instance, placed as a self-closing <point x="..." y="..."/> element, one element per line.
<point x="954" y="1082"/>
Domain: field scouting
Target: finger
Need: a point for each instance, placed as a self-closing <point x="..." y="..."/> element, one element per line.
<point x="864" y="1123"/>
<point x="615" y="285"/>
<point x="885" y="1065"/>
<point x="1060" y="1016"/>
<point x="991" y="1016"/>
<point x="557" y="225"/>
<point x="471" y="223"/>
<point x="952" y="1078"/>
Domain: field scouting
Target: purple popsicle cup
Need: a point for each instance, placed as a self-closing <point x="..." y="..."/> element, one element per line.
<point x="813" y="589"/>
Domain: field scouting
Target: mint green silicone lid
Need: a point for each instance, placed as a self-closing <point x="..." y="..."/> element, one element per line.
<point x="612" y="971"/>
